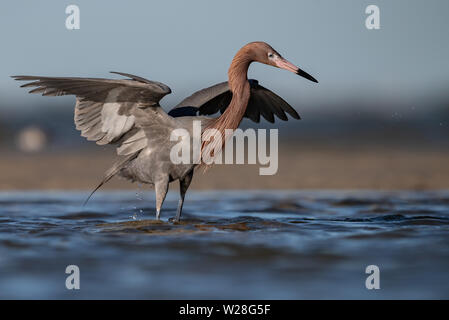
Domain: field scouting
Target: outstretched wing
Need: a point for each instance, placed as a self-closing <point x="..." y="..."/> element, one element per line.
<point x="106" y="109"/>
<point x="217" y="98"/>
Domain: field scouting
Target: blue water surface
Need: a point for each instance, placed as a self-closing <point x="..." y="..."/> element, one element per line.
<point x="229" y="245"/>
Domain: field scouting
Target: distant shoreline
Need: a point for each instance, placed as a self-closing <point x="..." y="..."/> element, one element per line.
<point x="302" y="167"/>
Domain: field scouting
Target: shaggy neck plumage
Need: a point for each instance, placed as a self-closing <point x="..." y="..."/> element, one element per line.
<point x="240" y="88"/>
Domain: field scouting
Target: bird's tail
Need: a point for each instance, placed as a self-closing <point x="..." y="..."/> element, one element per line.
<point x="116" y="167"/>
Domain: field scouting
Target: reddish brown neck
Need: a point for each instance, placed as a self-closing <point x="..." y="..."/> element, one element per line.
<point x="240" y="88"/>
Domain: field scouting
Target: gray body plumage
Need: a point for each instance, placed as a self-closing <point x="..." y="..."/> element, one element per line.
<point x="126" y="113"/>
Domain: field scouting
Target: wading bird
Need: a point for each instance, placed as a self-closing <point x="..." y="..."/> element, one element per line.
<point x="126" y="113"/>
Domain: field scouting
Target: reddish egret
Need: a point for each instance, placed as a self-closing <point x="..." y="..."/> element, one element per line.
<point x="127" y="113"/>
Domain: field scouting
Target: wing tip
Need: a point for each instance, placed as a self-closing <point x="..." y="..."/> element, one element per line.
<point x="295" y="115"/>
<point x="22" y="77"/>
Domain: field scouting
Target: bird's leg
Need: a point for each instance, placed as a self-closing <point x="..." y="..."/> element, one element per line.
<point x="183" y="186"/>
<point x="161" y="188"/>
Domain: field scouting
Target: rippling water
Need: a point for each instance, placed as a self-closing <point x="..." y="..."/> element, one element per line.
<point x="262" y="245"/>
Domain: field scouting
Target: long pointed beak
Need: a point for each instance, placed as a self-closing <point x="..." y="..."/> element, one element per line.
<point x="287" y="65"/>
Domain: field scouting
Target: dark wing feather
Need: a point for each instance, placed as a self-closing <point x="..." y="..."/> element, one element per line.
<point x="201" y="97"/>
<point x="218" y="103"/>
<point x="106" y="109"/>
<point x="217" y="98"/>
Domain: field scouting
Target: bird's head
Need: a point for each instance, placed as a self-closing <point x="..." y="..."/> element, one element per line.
<point x="262" y="52"/>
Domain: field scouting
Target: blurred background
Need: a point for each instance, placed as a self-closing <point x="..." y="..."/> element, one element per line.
<point x="378" y="119"/>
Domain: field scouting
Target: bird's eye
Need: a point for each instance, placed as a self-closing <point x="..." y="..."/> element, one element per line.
<point x="270" y="55"/>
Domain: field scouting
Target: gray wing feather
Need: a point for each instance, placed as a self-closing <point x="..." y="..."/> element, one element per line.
<point x="135" y="142"/>
<point x="105" y="108"/>
<point x="202" y="96"/>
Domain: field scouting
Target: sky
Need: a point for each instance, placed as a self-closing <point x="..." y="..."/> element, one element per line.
<point x="189" y="45"/>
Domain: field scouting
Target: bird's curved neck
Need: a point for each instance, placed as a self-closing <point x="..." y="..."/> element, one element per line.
<point x="240" y="88"/>
<point x="237" y="73"/>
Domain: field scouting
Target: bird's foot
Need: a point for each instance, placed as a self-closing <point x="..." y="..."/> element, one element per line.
<point x="174" y="220"/>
